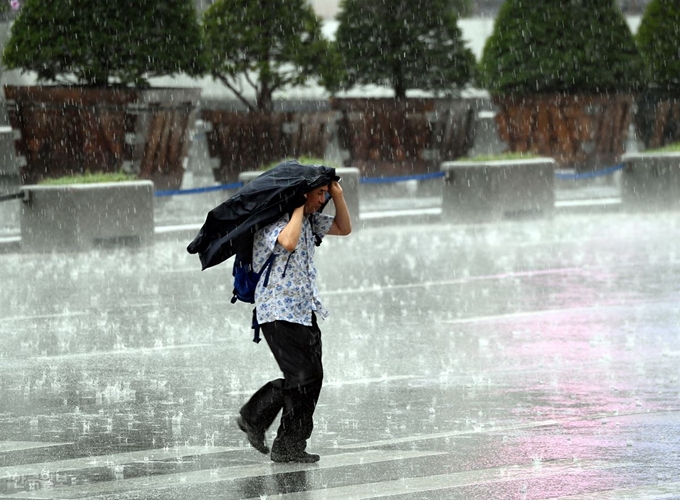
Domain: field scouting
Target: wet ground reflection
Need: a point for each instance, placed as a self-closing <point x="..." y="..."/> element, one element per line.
<point x="526" y="359"/>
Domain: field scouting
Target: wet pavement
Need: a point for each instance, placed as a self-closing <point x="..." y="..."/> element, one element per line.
<point x="524" y="359"/>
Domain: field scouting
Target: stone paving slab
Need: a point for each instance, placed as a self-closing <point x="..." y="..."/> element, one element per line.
<point x="523" y="359"/>
<point x="10" y="446"/>
<point x="92" y="462"/>
<point x="185" y="480"/>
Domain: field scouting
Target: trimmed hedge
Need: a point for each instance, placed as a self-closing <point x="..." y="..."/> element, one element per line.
<point x="102" y="43"/>
<point x="273" y="44"/>
<point x="403" y="44"/>
<point x="658" y="38"/>
<point x="671" y="148"/>
<point x="548" y="46"/>
<point x="88" y="178"/>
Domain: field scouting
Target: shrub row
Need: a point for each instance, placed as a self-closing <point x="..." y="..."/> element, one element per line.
<point x="536" y="46"/>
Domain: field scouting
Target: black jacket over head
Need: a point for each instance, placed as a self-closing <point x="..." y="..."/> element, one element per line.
<point x="229" y="228"/>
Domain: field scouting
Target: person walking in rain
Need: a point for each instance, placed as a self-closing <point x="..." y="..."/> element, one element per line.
<point x="287" y="305"/>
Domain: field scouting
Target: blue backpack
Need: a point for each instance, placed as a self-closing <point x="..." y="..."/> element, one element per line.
<point x="245" y="282"/>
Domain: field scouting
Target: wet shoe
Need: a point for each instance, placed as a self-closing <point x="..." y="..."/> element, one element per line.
<point x="255" y="437"/>
<point x="301" y="458"/>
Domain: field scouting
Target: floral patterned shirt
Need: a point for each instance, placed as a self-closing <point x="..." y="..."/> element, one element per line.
<point x="291" y="293"/>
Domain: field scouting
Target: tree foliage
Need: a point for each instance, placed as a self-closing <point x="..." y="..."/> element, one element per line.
<point x="403" y="44"/>
<point x="98" y="43"/>
<point x="658" y="38"/>
<point x="270" y="45"/>
<point x="463" y="8"/>
<point x="570" y="46"/>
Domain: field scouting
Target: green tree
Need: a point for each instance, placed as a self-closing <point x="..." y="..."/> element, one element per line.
<point x="463" y="8"/>
<point x="269" y="45"/>
<point x="560" y="46"/>
<point x="658" y="38"/>
<point x="403" y="44"/>
<point x="102" y="43"/>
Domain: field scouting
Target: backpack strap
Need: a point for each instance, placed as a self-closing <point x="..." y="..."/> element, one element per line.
<point x="268" y="265"/>
<point x="256" y="327"/>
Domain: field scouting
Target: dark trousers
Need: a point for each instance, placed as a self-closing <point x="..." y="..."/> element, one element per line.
<point x="297" y="349"/>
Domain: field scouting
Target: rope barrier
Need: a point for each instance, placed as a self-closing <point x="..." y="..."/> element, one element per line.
<point x="380" y="180"/>
<point x="13" y="196"/>
<point x="589" y="175"/>
<point x="362" y="180"/>
<point x="207" y="189"/>
<point x="402" y="178"/>
<point x="237" y="185"/>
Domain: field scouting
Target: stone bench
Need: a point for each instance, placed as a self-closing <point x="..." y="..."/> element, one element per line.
<point x="651" y="181"/>
<point x="490" y="190"/>
<point x="84" y="216"/>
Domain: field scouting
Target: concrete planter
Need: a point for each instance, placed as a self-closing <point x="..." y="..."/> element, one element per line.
<point x="60" y="131"/>
<point x="84" y="216"/>
<point x="651" y="181"/>
<point x="239" y="140"/>
<point x="9" y="166"/>
<point x="478" y="191"/>
<point x="350" y="188"/>
<point x="656" y="118"/>
<point x="384" y="136"/>
<point x="581" y="131"/>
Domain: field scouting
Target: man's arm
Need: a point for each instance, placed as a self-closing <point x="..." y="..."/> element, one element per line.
<point x="290" y="235"/>
<point x="342" y="224"/>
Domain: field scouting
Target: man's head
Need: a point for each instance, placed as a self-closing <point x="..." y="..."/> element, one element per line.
<point x="315" y="199"/>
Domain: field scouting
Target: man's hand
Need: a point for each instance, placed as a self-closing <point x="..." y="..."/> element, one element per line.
<point x="290" y="234"/>
<point x="335" y="189"/>
<point x="301" y="200"/>
<point x="342" y="225"/>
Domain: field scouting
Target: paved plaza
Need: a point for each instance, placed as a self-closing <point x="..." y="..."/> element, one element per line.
<point x="522" y="359"/>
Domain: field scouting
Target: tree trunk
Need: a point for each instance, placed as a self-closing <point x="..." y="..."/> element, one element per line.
<point x="264" y="95"/>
